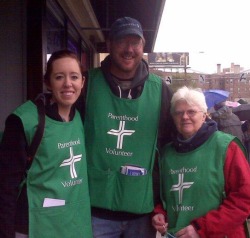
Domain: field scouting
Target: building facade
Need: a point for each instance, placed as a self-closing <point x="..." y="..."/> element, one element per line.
<point x="233" y="79"/>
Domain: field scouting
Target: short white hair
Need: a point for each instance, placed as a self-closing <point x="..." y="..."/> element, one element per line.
<point x="193" y="97"/>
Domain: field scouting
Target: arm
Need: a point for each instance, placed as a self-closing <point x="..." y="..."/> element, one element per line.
<point x="235" y="208"/>
<point x="166" y="128"/>
<point x="13" y="158"/>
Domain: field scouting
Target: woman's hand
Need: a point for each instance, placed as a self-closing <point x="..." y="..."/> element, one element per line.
<point x="187" y="232"/>
<point x="159" y="223"/>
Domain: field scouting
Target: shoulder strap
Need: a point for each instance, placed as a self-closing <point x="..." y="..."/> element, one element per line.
<point x="31" y="151"/>
<point x="40" y="103"/>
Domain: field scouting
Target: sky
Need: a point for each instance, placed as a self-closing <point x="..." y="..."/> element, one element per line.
<point x="212" y="31"/>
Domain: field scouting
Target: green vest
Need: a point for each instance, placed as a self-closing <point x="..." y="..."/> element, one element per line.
<point x="119" y="132"/>
<point x="57" y="185"/>
<point x="193" y="182"/>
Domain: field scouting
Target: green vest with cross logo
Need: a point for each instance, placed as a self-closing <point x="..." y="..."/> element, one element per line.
<point x="57" y="185"/>
<point x="121" y="132"/>
<point x="193" y="182"/>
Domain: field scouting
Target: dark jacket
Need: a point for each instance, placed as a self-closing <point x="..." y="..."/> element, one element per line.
<point x="228" y="122"/>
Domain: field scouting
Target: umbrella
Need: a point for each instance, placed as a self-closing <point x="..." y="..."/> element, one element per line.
<point x="214" y="96"/>
<point x="242" y="111"/>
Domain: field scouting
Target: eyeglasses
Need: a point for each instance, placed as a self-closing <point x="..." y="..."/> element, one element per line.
<point x="123" y="43"/>
<point x="190" y="113"/>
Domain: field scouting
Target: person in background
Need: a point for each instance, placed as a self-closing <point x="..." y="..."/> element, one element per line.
<point x="54" y="202"/>
<point x="227" y="121"/>
<point x="246" y="131"/>
<point x="205" y="176"/>
<point x="127" y="117"/>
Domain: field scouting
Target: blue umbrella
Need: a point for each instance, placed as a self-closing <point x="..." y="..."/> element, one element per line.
<point x="214" y="96"/>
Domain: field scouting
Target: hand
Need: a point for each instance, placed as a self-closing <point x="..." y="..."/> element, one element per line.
<point x="159" y="223"/>
<point x="187" y="232"/>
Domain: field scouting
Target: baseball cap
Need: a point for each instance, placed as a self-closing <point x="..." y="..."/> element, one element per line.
<point x="125" y="26"/>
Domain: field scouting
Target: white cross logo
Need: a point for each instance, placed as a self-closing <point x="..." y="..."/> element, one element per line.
<point x="120" y="133"/>
<point x="180" y="186"/>
<point x="71" y="162"/>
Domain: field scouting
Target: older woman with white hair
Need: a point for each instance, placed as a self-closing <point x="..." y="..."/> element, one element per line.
<point x="205" y="176"/>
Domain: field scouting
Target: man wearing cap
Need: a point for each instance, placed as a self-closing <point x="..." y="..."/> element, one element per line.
<point x="126" y="119"/>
